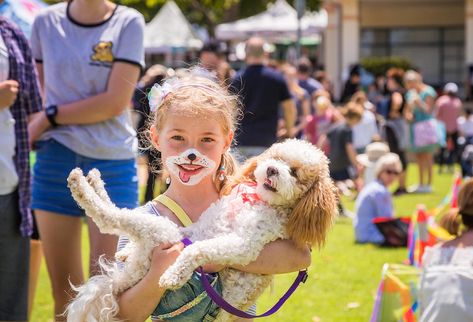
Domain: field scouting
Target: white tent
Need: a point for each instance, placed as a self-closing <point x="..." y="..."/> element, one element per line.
<point x="169" y="30"/>
<point x="278" y="21"/>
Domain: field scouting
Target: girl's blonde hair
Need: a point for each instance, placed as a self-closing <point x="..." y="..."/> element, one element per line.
<point x="195" y="96"/>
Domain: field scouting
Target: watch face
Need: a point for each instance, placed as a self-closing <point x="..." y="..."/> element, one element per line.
<point x="51" y="110"/>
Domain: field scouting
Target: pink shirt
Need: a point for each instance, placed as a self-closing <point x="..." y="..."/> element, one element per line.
<point x="448" y="110"/>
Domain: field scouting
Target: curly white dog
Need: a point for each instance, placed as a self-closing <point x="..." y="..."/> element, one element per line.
<point x="284" y="193"/>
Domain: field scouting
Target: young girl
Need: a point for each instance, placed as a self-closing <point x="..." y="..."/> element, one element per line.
<point x="193" y="129"/>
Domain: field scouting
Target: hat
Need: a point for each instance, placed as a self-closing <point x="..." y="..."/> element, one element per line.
<point x="373" y="152"/>
<point x="450" y="88"/>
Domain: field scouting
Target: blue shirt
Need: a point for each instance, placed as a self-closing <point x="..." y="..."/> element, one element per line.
<point x="261" y="90"/>
<point x="372" y="202"/>
<point x="310" y="85"/>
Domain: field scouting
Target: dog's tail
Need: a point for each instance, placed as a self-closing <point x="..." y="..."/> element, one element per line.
<point x="95" y="301"/>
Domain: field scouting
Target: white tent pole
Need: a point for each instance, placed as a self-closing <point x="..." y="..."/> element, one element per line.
<point x="300" y="7"/>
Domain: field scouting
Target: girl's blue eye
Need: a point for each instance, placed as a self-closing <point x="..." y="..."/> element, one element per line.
<point x="177" y="138"/>
<point x="207" y="140"/>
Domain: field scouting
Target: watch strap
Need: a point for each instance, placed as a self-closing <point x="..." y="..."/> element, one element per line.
<point x="51" y="112"/>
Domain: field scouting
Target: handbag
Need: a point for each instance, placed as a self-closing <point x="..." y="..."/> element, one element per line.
<point x="425" y="133"/>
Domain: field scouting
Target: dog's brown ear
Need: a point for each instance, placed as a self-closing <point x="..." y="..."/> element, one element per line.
<point x="244" y="174"/>
<point x="314" y="214"/>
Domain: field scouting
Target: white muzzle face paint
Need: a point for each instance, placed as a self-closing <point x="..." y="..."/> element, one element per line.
<point x="190" y="166"/>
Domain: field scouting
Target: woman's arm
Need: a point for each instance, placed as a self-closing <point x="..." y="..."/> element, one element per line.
<point x="278" y="257"/>
<point x="138" y="302"/>
<point x="94" y="109"/>
<point x="106" y="105"/>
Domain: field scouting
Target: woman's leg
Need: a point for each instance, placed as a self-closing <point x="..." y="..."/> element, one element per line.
<point x="429" y="165"/>
<point x="100" y="244"/>
<point x="61" y="239"/>
<point x="420" y="164"/>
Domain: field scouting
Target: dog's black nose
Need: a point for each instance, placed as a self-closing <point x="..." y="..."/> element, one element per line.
<point x="192" y="156"/>
<point x="272" y="171"/>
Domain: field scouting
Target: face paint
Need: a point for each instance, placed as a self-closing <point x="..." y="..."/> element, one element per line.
<point x="190" y="166"/>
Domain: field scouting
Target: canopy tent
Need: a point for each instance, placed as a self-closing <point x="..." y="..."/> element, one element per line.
<point x="278" y="22"/>
<point x="21" y="12"/>
<point x="170" y="30"/>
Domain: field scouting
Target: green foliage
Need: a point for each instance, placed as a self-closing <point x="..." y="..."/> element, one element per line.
<point x="379" y="65"/>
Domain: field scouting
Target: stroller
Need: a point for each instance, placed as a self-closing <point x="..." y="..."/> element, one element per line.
<point x="467" y="157"/>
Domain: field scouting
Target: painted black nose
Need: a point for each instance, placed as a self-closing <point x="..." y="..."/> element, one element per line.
<point x="192" y="156"/>
<point x="272" y="171"/>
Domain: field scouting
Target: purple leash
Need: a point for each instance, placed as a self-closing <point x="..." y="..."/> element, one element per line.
<point x="301" y="277"/>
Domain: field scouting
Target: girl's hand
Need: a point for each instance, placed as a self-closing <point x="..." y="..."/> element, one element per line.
<point x="164" y="256"/>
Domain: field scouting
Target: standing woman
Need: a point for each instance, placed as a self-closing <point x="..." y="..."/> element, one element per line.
<point x="395" y="128"/>
<point x="419" y="108"/>
<point x="89" y="54"/>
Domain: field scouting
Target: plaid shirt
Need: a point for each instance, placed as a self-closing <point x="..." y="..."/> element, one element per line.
<point x="22" y="69"/>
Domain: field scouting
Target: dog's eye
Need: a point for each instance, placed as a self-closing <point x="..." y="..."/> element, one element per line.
<point x="294" y="172"/>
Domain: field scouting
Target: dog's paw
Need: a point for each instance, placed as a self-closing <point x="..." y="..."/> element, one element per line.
<point x="171" y="280"/>
<point x="74" y="176"/>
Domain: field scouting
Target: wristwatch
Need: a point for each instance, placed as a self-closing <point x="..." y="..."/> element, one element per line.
<point x="51" y="112"/>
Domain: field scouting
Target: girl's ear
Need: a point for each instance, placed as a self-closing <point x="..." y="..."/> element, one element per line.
<point x="229" y="140"/>
<point x="154" y="137"/>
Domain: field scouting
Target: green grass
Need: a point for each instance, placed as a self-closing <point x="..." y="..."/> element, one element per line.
<point x="343" y="276"/>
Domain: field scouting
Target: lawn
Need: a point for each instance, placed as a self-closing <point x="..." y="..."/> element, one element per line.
<point x="343" y="276"/>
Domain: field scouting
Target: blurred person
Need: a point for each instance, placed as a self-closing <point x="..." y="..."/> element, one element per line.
<point x="446" y="282"/>
<point x="209" y="60"/>
<point x="324" y="114"/>
<point x="153" y="75"/>
<point x="89" y="55"/>
<point x="447" y="110"/>
<point x="465" y="128"/>
<point x="377" y="89"/>
<point x="261" y="91"/>
<point x="366" y="130"/>
<point x="322" y="77"/>
<point x="301" y="99"/>
<point x="225" y="73"/>
<point x="394" y="129"/>
<point x="342" y="155"/>
<point x="304" y="70"/>
<point x="374" y="151"/>
<point x="352" y="84"/>
<point x="19" y="99"/>
<point x="418" y="111"/>
<point x="375" y="200"/>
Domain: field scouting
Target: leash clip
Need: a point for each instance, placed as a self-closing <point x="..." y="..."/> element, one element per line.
<point x="305" y="277"/>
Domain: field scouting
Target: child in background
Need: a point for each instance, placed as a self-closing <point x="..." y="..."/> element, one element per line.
<point x="323" y="116"/>
<point x="195" y="154"/>
<point x="343" y="164"/>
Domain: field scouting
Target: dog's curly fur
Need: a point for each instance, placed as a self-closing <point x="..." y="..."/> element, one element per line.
<point x="296" y="199"/>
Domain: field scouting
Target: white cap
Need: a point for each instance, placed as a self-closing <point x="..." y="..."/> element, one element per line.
<point x="450" y="88"/>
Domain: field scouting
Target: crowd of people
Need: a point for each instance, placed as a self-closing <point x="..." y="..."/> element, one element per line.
<point x="66" y="94"/>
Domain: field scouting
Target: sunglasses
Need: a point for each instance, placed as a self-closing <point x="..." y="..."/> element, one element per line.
<point x="392" y="172"/>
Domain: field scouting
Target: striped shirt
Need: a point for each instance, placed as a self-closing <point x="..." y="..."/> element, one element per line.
<point x="22" y="69"/>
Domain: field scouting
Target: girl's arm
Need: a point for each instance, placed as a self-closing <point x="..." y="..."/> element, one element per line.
<point x="279" y="257"/>
<point x="138" y="302"/>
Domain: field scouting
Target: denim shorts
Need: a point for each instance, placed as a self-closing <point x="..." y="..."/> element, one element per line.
<point x="53" y="164"/>
<point x="190" y="303"/>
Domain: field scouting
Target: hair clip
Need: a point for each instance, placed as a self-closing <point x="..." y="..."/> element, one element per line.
<point x="157" y="94"/>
